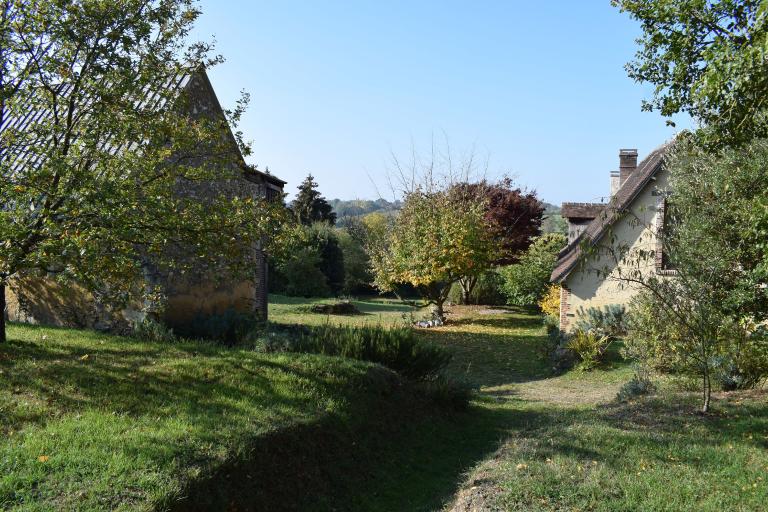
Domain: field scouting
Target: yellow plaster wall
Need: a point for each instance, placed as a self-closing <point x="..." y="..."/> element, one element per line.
<point x="595" y="281"/>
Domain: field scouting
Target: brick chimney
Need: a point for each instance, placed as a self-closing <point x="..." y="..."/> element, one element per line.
<point x="627" y="164"/>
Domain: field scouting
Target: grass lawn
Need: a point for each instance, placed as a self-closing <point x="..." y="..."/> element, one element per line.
<point x="92" y="422"/>
<point x="374" y="311"/>
<point x="535" y="441"/>
<point x="95" y="422"/>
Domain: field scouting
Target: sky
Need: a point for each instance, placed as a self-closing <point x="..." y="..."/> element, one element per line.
<point x="535" y="90"/>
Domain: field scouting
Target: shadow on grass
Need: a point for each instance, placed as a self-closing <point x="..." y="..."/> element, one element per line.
<point x="408" y="457"/>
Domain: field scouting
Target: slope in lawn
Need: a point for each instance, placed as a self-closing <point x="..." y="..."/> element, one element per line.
<point x="93" y="422"/>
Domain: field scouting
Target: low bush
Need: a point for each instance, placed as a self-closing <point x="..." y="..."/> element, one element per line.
<point x="738" y="358"/>
<point x="550" y="302"/>
<point x="397" y="348"/>
<point x="448" y="392"/>
<point x="640" y="384"/>
<point x="152" y="330"/>
<point x="590" y="346"/>
<point x="337" y="308"/>
<point x="610" y="319"/>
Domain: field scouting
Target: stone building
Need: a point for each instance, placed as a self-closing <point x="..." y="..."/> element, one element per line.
<point x="609" y="240"/>
<point x="44" y="301"/>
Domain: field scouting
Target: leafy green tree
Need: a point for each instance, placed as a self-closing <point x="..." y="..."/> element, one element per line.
<point x="303" y="277"/>
<point x="431" y="244"/>
<point x="90" y="189"/>
<point x="325" y="240"/>
<point x="357" y="264"/>
<point x="703" y="321"/>
<point x="525" y="283"/>
<point x="310" y="206"/>
<point x="706" y="58"/>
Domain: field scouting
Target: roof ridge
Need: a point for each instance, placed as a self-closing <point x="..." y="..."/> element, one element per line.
<point x="650" y="165"/>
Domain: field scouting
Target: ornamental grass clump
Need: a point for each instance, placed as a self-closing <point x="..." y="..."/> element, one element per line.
<point x="397" y="348"/>
<point x="590" y="346"/>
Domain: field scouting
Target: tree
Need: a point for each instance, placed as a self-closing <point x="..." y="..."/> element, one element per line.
<point x="107" y="182"/>
<point x="703" y="320"/>
<point x="524" y="283"/>
<point x="432" y="243"/>
<point x="310" y="207"/>
<point x="513" y="219"/>
<point x="357" y="263"/>
<point x="325" y="240"/>
<point x="706" y="59"/>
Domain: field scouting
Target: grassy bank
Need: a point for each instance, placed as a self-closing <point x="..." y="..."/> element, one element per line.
<point x="532" y="440"/>
<point x="93" y="422"/>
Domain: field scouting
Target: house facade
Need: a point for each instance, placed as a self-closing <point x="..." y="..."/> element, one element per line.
<point x="42" y="300"/>
<point x="611" y="244"/>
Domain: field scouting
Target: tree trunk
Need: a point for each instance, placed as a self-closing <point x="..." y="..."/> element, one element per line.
<point x="707" y="392"/>
<point x="467" y="285"/>
<point x="439" y="312"/>
<point x="2" y="312"/>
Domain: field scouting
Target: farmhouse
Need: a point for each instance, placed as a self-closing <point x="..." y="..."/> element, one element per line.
<point x="42" y="300"/>
<point x="609" y="241"/>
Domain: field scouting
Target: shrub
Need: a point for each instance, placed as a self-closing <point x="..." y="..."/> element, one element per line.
<point x="525" y="283"/>
<point x="302" y="275"/>
<point x="397" y="349"/>
<point x="229" y="327"/>
<point x="738" y="358"/>
<point x="640" y="384"/>
<point x="343" y="307"/>
<point x="590" y="346"/>
<point x="611" y="319"/>
<point x="550" y="302"/>
<point x="152" y="330"/>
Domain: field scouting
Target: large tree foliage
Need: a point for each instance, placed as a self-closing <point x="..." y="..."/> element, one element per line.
<point x="706" y="58"/>
<point x="310" y="206"/>
<point x="90" y="188"/>
<point x="513" y="219"/>
<point x="437" y="238"/>
<point x="704" y="320"/>
<point x="524" y="283"/>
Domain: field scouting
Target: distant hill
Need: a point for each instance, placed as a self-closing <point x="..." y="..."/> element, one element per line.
<point x="358" y="207"/>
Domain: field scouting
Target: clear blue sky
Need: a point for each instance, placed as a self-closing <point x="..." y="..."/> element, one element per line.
<point x="537" y="87"/>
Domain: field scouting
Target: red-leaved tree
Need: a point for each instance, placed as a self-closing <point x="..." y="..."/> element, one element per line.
<point x="513" y="218"/>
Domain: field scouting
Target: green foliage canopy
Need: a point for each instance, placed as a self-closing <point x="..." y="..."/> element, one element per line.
<point x="706" y="58"/>
<point x="92" y="190"/>
<point x="436" y="239"/>
<point x="524" y="283"/>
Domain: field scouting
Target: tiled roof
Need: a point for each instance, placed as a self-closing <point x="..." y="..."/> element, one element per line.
<point x="25" y="117"/>
<point x="569" y="256"/>
<point x="581" y="210"/>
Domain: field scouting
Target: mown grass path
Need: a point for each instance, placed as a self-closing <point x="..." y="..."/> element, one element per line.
<point x="535" y="441"/>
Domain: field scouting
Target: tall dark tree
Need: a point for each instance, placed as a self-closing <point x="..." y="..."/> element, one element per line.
<point x="513" y="219"/>
<point x="310" y="206"/>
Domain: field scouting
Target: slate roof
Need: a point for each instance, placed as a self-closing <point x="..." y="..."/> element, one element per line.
<point x="25" y="117"/>
<point x="620" y="202"/>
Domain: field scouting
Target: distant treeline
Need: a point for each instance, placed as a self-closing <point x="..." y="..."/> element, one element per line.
<point x="346" y="209"/>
